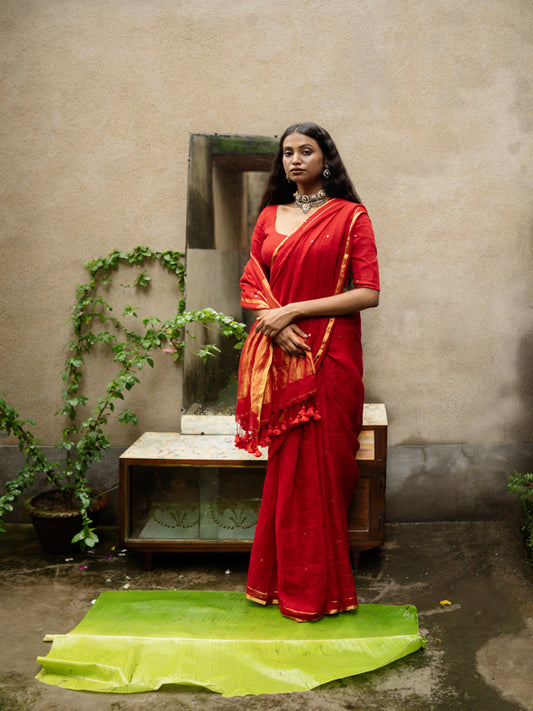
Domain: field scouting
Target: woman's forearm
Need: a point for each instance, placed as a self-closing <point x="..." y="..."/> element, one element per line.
<point x="270" y="322"/>
<point x="348" y="302"/>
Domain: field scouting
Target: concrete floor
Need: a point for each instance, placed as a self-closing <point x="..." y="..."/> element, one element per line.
<point x="479" y="651"/>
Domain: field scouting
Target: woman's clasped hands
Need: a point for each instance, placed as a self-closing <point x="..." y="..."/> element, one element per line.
<point x="277" y="324"/>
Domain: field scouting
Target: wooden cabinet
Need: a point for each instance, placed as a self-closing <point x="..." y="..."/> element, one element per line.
<point x="196" y="491"/>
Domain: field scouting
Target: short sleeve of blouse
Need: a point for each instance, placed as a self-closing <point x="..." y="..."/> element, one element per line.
<point x="363" y="256"/>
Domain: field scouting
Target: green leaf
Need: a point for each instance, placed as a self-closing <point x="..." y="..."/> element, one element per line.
<point x="142" y="279"/>
<point x="130" y="311"/>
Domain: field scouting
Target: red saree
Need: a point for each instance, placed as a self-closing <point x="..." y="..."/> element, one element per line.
<point x="308" y="410"/>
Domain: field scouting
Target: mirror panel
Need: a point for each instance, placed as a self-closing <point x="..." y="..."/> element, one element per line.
<point x="227" y="177"/>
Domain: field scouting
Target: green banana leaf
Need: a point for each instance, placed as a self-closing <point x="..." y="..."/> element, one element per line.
<point x="132" y="641"/>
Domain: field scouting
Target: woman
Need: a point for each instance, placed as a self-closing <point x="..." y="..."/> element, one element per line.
<point x="300" y="374"/>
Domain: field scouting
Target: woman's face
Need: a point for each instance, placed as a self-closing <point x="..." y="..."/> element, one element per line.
<point x="303" y="162"/>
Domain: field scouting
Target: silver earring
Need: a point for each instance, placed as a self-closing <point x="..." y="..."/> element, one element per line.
<point x="326" y="173"/>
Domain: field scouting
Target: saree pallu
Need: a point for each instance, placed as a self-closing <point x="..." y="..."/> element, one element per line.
<point x="300" y="555"/>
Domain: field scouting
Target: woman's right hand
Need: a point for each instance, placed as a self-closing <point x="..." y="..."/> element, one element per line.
<point x="293" y="341"/>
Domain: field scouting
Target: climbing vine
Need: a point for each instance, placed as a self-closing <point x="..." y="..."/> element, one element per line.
<point x="131" y="345"/>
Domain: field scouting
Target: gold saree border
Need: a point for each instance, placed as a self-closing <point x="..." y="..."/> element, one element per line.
<point x="340" y="281"/>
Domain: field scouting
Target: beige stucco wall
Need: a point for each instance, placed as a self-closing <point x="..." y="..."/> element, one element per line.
<point x="430" y="103"/>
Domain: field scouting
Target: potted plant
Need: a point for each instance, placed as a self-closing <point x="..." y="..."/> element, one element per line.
<point x="84" y="440"/>
<point x="522" y="484"/>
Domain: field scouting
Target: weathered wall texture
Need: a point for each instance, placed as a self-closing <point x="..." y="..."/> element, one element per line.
<point x="430" y="103"/>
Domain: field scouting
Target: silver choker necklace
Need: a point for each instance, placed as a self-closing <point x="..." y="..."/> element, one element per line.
<point x="306" y="202"/>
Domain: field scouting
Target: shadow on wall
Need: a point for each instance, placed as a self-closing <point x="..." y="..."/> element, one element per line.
<point x="453" y="481"/>
<point x="525" y="384"/>
<point x="525" y="370"/>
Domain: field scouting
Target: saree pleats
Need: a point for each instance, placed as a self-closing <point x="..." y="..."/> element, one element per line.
<point x="300" y="557"/>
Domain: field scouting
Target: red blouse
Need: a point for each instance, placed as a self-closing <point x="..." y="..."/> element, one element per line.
<point x="364" y="269"/>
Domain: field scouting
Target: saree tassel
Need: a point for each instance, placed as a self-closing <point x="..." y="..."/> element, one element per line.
<point x="251" y="438"/>
<point x="248" y="443"/>
<point x="303" y="416"/>
<point x="264" y="440"/>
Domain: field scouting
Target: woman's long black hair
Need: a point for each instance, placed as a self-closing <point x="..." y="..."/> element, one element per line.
<point x="279" y="191"/>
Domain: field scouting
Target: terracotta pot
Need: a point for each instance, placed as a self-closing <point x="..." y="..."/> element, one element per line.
<point x="55" y="529"/>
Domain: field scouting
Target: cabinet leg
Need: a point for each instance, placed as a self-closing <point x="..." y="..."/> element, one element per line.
<point x="355" y="557"/>
<point x="148" y="560"/>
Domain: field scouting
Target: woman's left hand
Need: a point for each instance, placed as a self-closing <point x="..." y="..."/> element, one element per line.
<point x="271" y="322"/>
